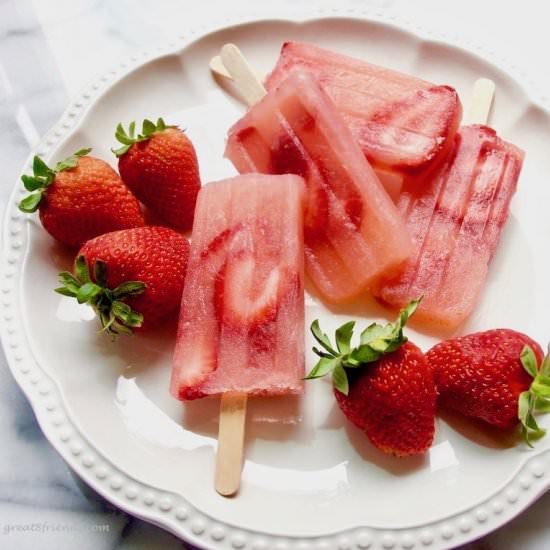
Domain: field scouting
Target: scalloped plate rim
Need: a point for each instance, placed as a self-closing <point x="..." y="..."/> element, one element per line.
<point x="76" y="111"/>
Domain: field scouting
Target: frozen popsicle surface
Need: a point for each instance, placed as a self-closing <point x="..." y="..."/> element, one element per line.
<point x="353" y="233"/>
<point x="455" y="221"/>
<point x="403" y="124"/>
<point x="241" y="325"/>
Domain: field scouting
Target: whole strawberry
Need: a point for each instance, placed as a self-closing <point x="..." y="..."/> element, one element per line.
<point x="80" y="198"/>
<point x="493" y="376"/>
<point x="132" y="278"/>
<point x="384" y="386"/>
<point x="160" y="167"/>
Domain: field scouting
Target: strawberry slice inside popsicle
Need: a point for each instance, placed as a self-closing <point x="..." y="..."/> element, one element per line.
<point x="403" y="124"/>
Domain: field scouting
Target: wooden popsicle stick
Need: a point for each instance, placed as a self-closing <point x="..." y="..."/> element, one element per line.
<point x="229" y="458"/>
<point x="481" y="101"/>
<point x="243" y="76"/>
<point x="231" y="430"/>
<point x="216" y="66"/>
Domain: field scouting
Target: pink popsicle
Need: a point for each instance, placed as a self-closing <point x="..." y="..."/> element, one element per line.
<point x="455" y="222"/>
<point x="404" y="125"/>
<point x="353" y="232"/>
<point x="241" y="324"/>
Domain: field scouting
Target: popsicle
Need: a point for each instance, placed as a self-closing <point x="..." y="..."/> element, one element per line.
<point x="403" y="124"/>
<point x="455" y="222"/>
<point x="241" y="327"/>
<point x="353" y="232"/>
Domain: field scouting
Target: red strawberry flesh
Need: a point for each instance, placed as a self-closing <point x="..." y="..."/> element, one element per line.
<point x="156" y="256"/>
<point x="393" y="401"/>
<point x="87" y="201"/>
<point x="163" y="173"/>
<point x="481" y="376"/>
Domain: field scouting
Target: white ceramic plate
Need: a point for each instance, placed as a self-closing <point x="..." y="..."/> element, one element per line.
<point x="310" y="479"/>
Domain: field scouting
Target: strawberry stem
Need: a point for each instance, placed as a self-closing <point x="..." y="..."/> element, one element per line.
<point x="43" y="177"/>
<point x="128" y="138"/>
<point x="537" y="398"/>
<point x="375" y="341"/>
<point x="115" y="315"/>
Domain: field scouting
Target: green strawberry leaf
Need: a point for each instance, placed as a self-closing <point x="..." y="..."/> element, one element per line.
<point x="343" y="336"/>
<point x="542" y="405"/>
<point x="40" y="168"/>
<point x="536" y="399"/>
<point x="340" y="379"/>
<point x="100" y="273"/>
<point x="130" y="288"/>
<point x="120" y="328"/>
<point x="70" y="283"/>
<point x="540" y="386"/>
<point x="43" y="176"/>
<point x="66" y="277"/>
<point x="406" y="313"/>
<point x="135" y="319"/>
<point x="119" y="151"/>
<point x="320" y="352"/>
<point x="66" y="292"/>
<point x="107" y="320"/>
<point x="72" y="161"/>
<point x="122" y="136"/>
<point x="33" y="183"/>
<point x="375" y="331"/>
<point x="115" y="315"/>
<point x="323" y="367"/>
<point x="148" y="128"/>
<point x="375" y="341"/>
<point x="321" y="337"/>
<point x="545" y="367"/>
<point x="529" y="361"/>
<point x="87" y="292"/>
<point x="530" y="430"/>
<point x="365" y="354"/>
<point x="121" y="310"/>
<point x="523" y="405"/>
<point x="30" y="203"/>
<point x="81" y="270"/>
<point x="380" y="345"/>
<point x="126" y="314"/>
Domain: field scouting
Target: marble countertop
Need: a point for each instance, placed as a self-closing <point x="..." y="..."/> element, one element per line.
<point x="48" y="51"/>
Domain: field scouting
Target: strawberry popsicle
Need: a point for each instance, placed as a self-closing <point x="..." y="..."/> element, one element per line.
<point x="455" y="222"/>
<point x="241" y="324"/>
<point x="353" y="232"/>
<point x="404" y="125"/>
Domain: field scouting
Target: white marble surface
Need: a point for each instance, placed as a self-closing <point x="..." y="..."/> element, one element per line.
<point x="48" y="50"/>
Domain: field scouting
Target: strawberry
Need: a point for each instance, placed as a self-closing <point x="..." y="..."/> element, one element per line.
<point x="132" y="278"/>
<point x="80" y="198"/>
<point x="493" y="376"/>
<point x="384" y="385"/>
<point x="160" y="167"/>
